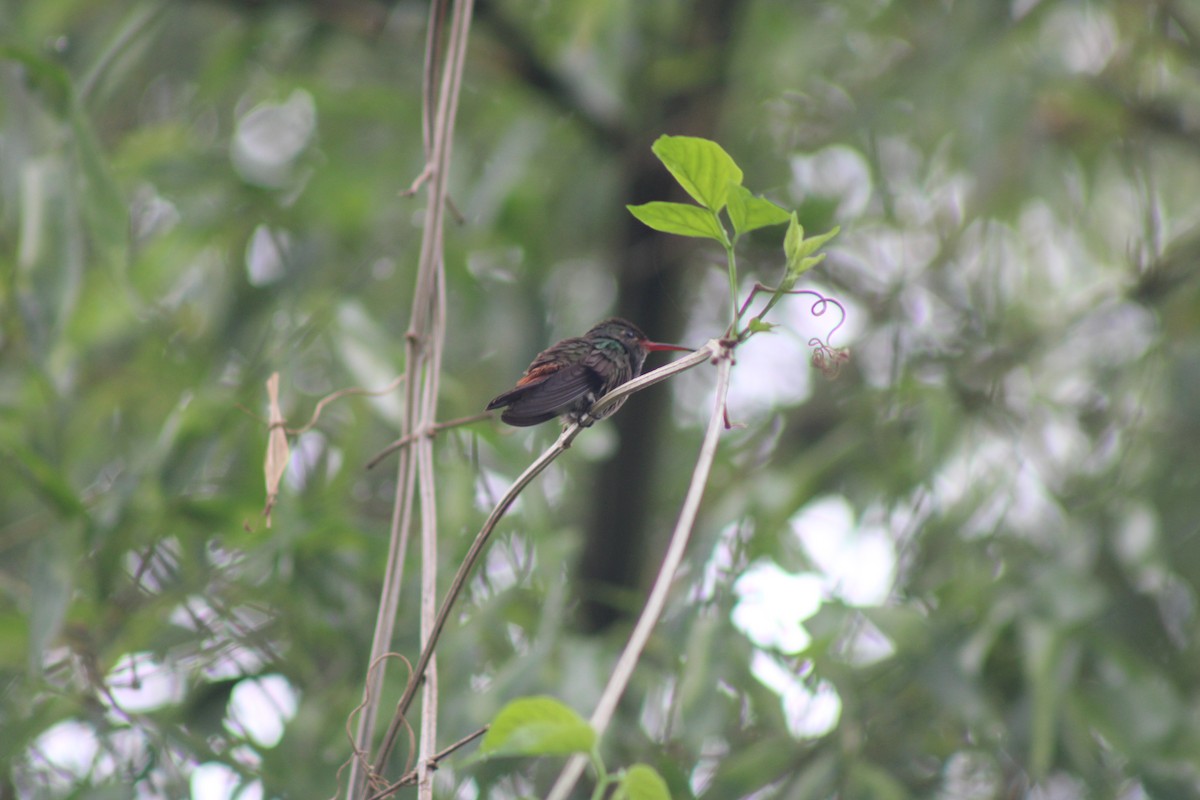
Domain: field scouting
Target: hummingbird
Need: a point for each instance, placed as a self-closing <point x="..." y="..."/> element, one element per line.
<point x="569" y="377"/>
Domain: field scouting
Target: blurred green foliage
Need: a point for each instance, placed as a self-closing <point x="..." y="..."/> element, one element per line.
<point x="196" y="194"/>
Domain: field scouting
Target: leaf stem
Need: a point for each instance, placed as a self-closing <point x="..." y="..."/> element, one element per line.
<point x="733" y="288"/>
<point x="603" y="779"/>
<point x="730" y="246"/>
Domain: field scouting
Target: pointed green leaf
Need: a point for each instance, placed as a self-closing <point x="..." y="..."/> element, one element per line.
<point x="679" y="218"/>
<point x="758" y="326"/>
<point x="799" y="250"/>
<point x="748" y="212"/>
<point x="793" y="239"/>
<point x="642" y="782"/>
<point x="538" y="726"/>
<point x="813" y="243"/>
<point x="804" y="265"/>
<point x="702" y="167"/>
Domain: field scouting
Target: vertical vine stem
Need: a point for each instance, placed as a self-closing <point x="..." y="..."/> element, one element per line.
<point x="423" y="354"/>
<point x="657" y="600"/>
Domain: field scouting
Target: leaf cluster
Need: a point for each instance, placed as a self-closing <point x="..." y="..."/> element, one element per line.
<point x="714" y="180"/>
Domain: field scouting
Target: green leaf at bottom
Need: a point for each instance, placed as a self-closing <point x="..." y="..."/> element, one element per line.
<point x="538" y="726"/>
<point x="642" y="782"/>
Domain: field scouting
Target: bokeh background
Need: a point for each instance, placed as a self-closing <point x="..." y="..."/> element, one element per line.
<point x="967" y="567"/>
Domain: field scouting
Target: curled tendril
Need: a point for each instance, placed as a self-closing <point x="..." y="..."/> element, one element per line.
<point x="825" y="356"/>
<point x="819" y="307"/>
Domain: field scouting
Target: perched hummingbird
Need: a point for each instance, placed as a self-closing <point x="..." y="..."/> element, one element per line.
<point x="569" y="377"/>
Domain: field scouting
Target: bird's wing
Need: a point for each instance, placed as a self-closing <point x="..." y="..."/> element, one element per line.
<point x="535" y="376"/>
<point x="552" y="358"/>
<point x="539" y="401"/>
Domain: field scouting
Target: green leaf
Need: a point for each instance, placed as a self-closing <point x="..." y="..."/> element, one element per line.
<point x="538" y="726"/>
<point x="799" y="250"/>
<point x="642" y="782"/>
<point x="681" y="219"/>
<point x="758" y="326"/>
<point x="749" y="213"/>
<point x="814" y="243"/>
<point x="702" y="167"/>
<point x="805" y="265"/>
<point x="793" y="240"/>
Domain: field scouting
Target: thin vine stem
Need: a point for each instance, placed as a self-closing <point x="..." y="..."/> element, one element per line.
<point x="477" y="547"/>
<point x="657" y="600"/>
<point x="423" y="351"/>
